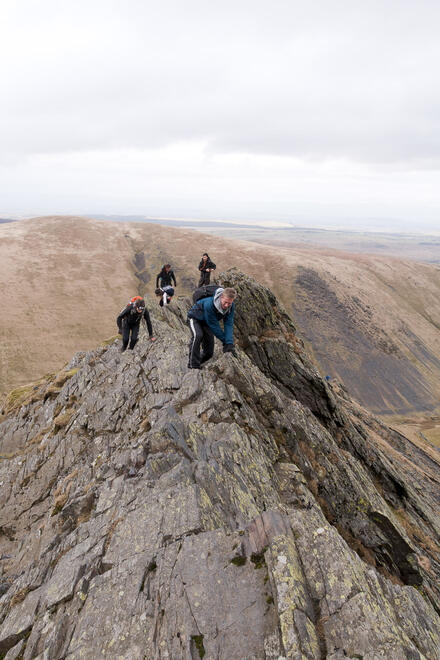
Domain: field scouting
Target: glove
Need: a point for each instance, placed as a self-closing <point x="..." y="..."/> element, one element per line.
<point x="229" y="348"/>
<point x="119" y="331"/>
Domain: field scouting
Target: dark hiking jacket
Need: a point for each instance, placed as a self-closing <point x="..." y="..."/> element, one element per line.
<point x="165" y="278"/>
<point x="209" y="264"/>
<point x="130" y="317"/>
<point x="205" y="310"/>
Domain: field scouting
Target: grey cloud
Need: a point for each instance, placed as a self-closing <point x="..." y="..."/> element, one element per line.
<point x="345" y="79"/>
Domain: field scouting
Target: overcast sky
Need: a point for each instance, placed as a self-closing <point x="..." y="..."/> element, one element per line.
<point x="319" y="112"/>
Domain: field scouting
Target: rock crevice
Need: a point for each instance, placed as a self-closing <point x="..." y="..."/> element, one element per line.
<point x="245" y="510"/>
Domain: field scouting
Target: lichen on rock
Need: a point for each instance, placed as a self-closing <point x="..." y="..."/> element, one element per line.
<point x="242" y="511"/>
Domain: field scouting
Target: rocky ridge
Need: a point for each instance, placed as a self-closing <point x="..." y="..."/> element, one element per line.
<point x="370" y="322"/>
<point x="245" y="511"/>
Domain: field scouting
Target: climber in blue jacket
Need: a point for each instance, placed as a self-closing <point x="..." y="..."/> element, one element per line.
<point x="204" y="321"/>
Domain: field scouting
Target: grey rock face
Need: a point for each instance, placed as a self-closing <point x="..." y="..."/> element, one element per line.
<point x="244" y="511"/>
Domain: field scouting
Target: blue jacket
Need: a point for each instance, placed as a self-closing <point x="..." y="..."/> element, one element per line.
<point x="205" y="310"/>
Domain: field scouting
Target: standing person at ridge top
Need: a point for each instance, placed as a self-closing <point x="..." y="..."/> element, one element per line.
<point x="165" y="276"/>
<point x="206" y="266"/>
<point x="204" y="317"/>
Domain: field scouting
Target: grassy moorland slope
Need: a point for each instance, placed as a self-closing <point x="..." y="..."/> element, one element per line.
<point x="372" y="322"/>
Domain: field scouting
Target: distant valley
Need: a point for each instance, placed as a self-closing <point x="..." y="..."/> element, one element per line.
<point x="417" y="246"/>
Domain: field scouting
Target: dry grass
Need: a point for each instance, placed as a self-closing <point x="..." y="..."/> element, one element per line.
<point x="297" y="344"/>
<point x="64" y="376"/>
<point x="320" y="627"/>
<point x="46" y="263"/>
<point x="60" y="501"/>
<point x="61" y="494"/>
<point x="16" y="397"/>
<point x="145" y="425"/>
<point x="425" y="563"/>
<point x="313" y="487"/>
<point x="19" y="597"/>
<point x="110" y="533"/>
<point x="66" y="481"/>
<point x="110" y="340"/>
<point x="24" y="395"/>
<point x="8" y="455"/>
<point x="88" y="487"/>
<point x="390" y="576"/>
<point x="36" y="439"/>
<point x="62" y="420"/>
<point x="56" y="386"/>
<point x="52" y="391"/>
<point x="309" y="452"/>
<point x="423" y="430"/>
<point x="416" y="533"/>
<point x="432" y="435"/>
<point x="84" y="517"/>
<point x="325" y="508"/>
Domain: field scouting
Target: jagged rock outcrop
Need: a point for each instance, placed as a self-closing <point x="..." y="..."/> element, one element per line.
<point x="245" y="511"/>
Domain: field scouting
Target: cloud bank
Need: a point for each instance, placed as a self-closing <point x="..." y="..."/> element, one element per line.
<point x="337" y="90"/>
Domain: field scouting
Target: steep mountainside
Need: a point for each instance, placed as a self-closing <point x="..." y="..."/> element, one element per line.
<point x="371" y="322"/>
<point x="247" y="510"/>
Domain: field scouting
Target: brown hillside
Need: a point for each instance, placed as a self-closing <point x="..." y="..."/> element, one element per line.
<point x="372" y="322"/>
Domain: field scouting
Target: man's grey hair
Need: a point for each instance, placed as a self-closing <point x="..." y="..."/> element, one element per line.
<point x="230" y="294"/>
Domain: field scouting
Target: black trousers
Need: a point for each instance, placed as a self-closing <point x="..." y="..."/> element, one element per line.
<point x="204" y="278"/>
<point x="126" y="329"/>
<point x="202" y="340"/>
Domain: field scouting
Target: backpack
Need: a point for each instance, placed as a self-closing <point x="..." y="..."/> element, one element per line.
<point x="131" y="301"/>
<point x="205" y="292"/>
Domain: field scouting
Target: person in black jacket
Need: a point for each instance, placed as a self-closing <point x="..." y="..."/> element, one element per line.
<point x="205" y="268"/>
<point x="165" y="276"/>
<point x="129" y="321"/>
